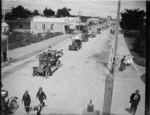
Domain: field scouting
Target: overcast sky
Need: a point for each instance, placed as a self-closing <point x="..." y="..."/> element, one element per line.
<point x="101" y="8"/>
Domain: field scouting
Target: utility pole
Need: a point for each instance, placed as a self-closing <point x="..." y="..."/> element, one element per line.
<point x="110" y="77"/>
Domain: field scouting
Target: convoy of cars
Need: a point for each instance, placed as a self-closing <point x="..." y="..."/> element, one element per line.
<point x="49" y="60"/>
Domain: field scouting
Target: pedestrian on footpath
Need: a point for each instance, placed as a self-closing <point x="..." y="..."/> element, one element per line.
<point x="122" y="65"/>
<point x="134" y="100"/>
<point x="129" y="59"/>
<point x="41" y="96"/>
<point x="27" y="101"/>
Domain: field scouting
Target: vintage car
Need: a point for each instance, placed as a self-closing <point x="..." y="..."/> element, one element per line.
<point x="99" y="30"/>
<point x="92" y="34"/>
<point x="9" y="106"/>
<point x="76" y="43"/>
<point x="48" y="63"/>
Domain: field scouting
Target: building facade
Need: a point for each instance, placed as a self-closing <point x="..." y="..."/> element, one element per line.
<point x="43" y="24"/>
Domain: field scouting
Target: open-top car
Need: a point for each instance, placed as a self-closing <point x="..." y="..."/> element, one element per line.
<point x="76" y="43"/>
<point x="48" y="63"/>
<point x="92" y="34"/>
<point x="99" y="30"/>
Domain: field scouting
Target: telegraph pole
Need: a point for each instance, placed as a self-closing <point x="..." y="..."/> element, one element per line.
<point x="110" y="77"/>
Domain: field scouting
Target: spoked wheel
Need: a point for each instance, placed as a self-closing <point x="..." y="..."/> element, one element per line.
<point x="69" y="48"/>
<point x="76" y="48"/>
<point x="35" y="69"/>
<point x="13" y="106"/>
<point x="33" y="74"/>
<point x="47" y="73"/>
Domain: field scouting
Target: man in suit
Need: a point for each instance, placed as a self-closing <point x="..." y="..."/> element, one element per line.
<point x="134" y="100"/>
<point x="41" y="96"/>
<point x="27" y="100"/>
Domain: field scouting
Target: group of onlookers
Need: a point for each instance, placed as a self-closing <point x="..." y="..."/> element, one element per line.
<point x="125" y="61"/>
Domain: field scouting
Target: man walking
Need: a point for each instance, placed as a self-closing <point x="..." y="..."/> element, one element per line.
<point x="41" y="96"/>
<point x="27" y="100"/>
<point x="134" y="100"/>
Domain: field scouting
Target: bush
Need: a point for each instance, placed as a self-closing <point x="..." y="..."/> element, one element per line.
<point x="132" y="34"/>
<point x="140" y="43"/>
<point x="17" y="39"/>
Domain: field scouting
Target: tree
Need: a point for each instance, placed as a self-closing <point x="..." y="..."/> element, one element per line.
<point x="48" y="12"/>
<point x="63" y="12"/>
<point x="36" y="12"/>
<point x="132" y="19"/>
<point x="18" y="12"/>
<point x="139" y="44"/>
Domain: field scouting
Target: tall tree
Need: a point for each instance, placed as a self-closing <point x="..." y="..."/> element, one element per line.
<point x="63" y="12"/>
<point x="18" y="12"/>
<point x="48" y="12"/>
<point x="132" y="19"/>
<point x="36" y="12"/>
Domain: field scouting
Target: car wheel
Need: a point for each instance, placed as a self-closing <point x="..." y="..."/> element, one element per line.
<point x="13" y="106"/>
<point x="47" y="73"/>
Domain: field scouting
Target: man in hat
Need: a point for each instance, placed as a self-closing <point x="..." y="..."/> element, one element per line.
<point x="134" y="100"/>
<point x="41" y="96"/>
<point x="27" y="100"/>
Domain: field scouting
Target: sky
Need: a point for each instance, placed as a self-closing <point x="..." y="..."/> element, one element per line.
<point x="100" y="8"/>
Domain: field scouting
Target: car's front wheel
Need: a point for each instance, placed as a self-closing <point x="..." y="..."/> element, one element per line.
<point x="47" y="73"/>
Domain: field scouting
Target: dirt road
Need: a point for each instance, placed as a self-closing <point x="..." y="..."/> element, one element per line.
<point x="69" y="90"/>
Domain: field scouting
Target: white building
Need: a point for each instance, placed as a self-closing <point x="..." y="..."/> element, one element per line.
<point x="93" y="20"/>
<point x="44" y="24"/>
<point x="5" y="27"/>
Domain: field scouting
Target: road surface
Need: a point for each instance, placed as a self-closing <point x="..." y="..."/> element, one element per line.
<point x="69" y="90"/>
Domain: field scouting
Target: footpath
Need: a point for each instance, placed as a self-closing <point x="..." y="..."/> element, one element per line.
<point x="126" y="82"/>
<point x="27" y="51"/>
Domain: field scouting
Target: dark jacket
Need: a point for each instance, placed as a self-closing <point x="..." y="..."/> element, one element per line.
<point x="41" y="95"/>
<point x="132" y="100"/>
<point x="26" y="98"/>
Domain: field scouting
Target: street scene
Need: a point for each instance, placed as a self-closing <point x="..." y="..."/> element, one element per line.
<point x="68" y="62"/>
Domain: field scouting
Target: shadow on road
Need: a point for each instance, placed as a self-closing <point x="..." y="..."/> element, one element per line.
<point x="128" y="110"/>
